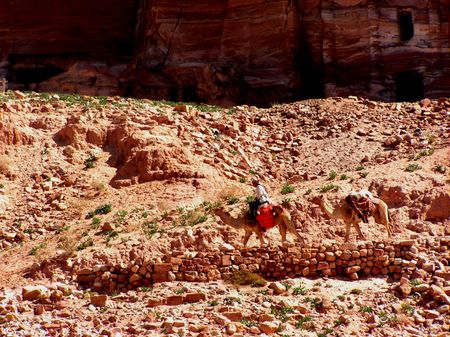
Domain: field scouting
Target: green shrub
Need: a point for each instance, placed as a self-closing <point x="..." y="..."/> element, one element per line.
<point x="287" y="189"/>
<point x="34" y="250"/>
<point x="344" y="177"/>
<point x="88" y="243"/>
<point x="232" y="200"/>
<point x="363" y="174"/>
<point x="332" y="175"/>
<point x="367" y="309"/>
<point x="412" y="167"/>
<point x="407" y="308"/>
<point x="285" y="202"/>
<point x="103" y="209"/>
<point x="301" y="322"/>
<point x="90" y="161"/>
<point x="329" y="187"/>
<point x="249" y="323"/>
<point x="245" y="277"/>
<point x="282" y="312"/>
<point x="231" y="300"/>
<point x="359" y="168"/>
<point x="300" y="290"/>
<point x="96" y="221"/>
<point x="440" y="169"/>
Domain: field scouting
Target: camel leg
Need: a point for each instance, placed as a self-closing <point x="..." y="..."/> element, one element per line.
<point x="385" y="218"/>
<point x="358" y="229"/>
<point x="291" y="228"/>
<point x="282" y="228"/>
<point x="248" y="233"/>
<point x="347" y="230"/>
<point x="260" y="236"/>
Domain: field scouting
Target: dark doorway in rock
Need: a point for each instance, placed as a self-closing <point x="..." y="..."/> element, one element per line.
<point x="409" y="87"/>
<point x="27" y="74"/>
<point x="406" y="25"/>
<point x="189" y="94"/>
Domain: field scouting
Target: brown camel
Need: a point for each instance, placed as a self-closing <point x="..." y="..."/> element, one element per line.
<point x="346" y="213"/>
<point x="282" y="220"/>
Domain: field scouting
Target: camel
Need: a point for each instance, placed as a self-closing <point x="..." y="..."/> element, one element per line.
<point x="282" y="219"/>
<point x="349" y="216"/>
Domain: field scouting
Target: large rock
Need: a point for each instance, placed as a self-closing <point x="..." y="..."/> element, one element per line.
<point x="34" y="293"/>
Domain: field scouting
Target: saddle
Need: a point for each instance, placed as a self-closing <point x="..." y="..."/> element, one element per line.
<point x="362" y="205"/>
<point x="265" y="218"/>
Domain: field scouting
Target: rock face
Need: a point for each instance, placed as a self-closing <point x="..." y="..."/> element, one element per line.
<point x="229" y="52"/>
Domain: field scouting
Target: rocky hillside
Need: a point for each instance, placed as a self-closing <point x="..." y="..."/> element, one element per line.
<point x="108" y="222"/>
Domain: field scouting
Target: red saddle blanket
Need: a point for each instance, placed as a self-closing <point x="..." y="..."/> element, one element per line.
<point x="265" y="217"/>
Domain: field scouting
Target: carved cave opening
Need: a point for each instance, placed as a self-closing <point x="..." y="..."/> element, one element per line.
<point x="406" y="25"/>
<point x="409" y="87"/>
<point x="26" y="74"/>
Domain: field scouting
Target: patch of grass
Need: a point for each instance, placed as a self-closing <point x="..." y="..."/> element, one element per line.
<point x="213" y="303"/>
<point x="367" y="309"/>
<point x="249" y="323"/>
<point x="181" y="290"/>
<point x="314" y="302"/>
<point x="329" y="187"/>
<point x="407" y="308"/>
<point x="103" y="209"/>
<point x="87" y="243"/>
<point x="414" y="282"/>
<point x="111" y="235"/>
<point x="120" y="217"/>
<point x="286" y="285"/>
<point x="250" y="198"/>
<point x="412" y="167"/>
<point x="363" y="174"/>
<point x="308" y="191"/>
<point x="301" y="323"/>
<point x="150" y="228"/>
<point x="300" y="290"/>
<point x="146" y="289"/>
<point x="285" y="202"/>
<point x="95" y="222"/>
<point x="209" y="207"/>
<point x="343" y="177"/>
<point x="440" y="169"/>
<point x="230" y="300"/>
<point x="332" y="175"/>
<point x="423" y="153"/>
<point x="232" y="200"/>
<point x="355" y="291"/>
<point x="231" y="111"/>
<point x="325" y="332"/>
<point x="252" y="172"/>
<point x="62" y="229"/>
<point x="359" y="168"/>
<point x="282" y="312"/>
<point x="1" y="185"/>
<point x="387" y="319"/>
<point x="242" y="180"/>
<point x="245" y="277"/>
<point x="287" y="189"/>
<point x="34" y="250"/>
<point x="90" y="161"/>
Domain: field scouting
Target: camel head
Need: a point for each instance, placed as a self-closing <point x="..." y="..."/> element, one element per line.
<point x="317" y="199"/>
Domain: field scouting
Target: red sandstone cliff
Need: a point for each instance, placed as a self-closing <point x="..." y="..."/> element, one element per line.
<point x="234" y="51"/>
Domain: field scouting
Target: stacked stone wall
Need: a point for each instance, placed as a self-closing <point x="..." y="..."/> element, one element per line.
<point x="352" y="261"/>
